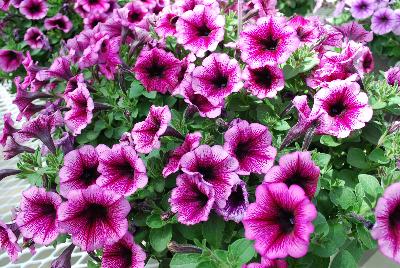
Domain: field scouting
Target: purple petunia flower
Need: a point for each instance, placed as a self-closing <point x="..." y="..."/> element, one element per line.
<point x="308" y="30"/>
<point x="356" y="32"/>
<point x="157" y="70"/>
<point x="37" y="218"/>
<point x="267" y="263"/>
<point x="5" y="4"/>
<point x="345" y="108"/>
<point x="386" y="228"/>
<point x="79" y="170"/>
<point x="166" y="25"/>
<point x="265" y="7"/>
<point x="393" y="76"/>
<point x="250" y="144"/>
<point x="192" y="199"/>
<point x="123" y="254"/>
<point x="12" y="149"/>
<point x="82" y="106"/>
<point x="33" y="9"/>
<point x="296" y="168"/>
<point x="94" y="217"/>
<point x="268" y="42"/>
<point x="59" y="22"/>
<point x="217" y="78"/>
<point x="10" y="60"/>
<point x="36" y="39"/>
<point x="94" y="6"/>
<point x="191" y="142"/>
<point x="362" y="9"/>
<point x="216" y="167"/>
<point x="136" y="13"/>
<point x="121" y="169"/>
<point x="92" y="20"/>
<point x="383" y="21"/>
<point x="396" y="26"/>
<point x="8" y="128"/>
<point x="365" y="63"/>
<point x="64" y="260"/>
<point x="264" y="82"/>
<point x="200" y="30"/>
<point x="8" y="241"/>
<point x="186" y="5"/>
<point x="237" y="203"/>
<point x="31" y="69"/>
<point x="146" y="134"/>
<point x="280" y="221"/>
<point x="60" y="69"/>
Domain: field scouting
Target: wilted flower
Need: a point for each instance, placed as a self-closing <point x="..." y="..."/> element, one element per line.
<point x="280" y="221"/>
<point x="8" y="242"/>
<point x="60" y="69"/>
<point x="383" y="21"/>
<point x="35" y="38"/>
<point x="146" y="134"/>
<point x="250" y="144"/>
<point x="12" y="149"/>
<point x="94" y="217"/>
<point x="33" y="9"/>
<point x="64" y="260"/>
<point x="121" y="169"/>
<point x="393" y="76"/>
<point x="362" y="9"/>
<point x="10" y="60"/>
<point x="264" y="82"/>
<point x="59" y="22"/>
<point x="192" y="199"/>
<point x="37" y="217"/>
<point x="237" y="203"/>
<point x="8" y="128"/>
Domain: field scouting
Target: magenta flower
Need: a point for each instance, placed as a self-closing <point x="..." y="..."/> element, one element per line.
<point x="362" y="9"/>
<point x="121" y="169"/>
<point x="250" y="144"/>
<point x="94" y="217"/>
<point x="393" y="76"/>
<point x="5" y="4"/>
<point x="308" y="30"/>
<point x="82" y="106"/>
<point x="356" y="32"/>
<point x="267" y="263"/>
<point x="8" y="128"/>
<point x="59" y="22"/>
<point x="37" y="218"/>
<point x="94" y="6"/>
<point x="280" y="221"/>
<point x="31" y="69"/>
<point x="296" y="168"/>
<point x="191" y="142"/>
<point x="345" y="107"/>
<point x="217" y="78"/>
<point x="92" y="20"/>
<point x="10" y="60"/>
<point x="200" y="30"/>
<point x="12" y="149"/>
<point x="166" y="25"/>
<point x="265" y="7"/>
<point x="264" y="82"/>
<point x="396" y="27"/>
<point x="73" y="83"/>
<point x="36" y="39"/>
<point x="216" y="167"/>
<point x="79" y="43"/>
<point x="383" y="21"/>
<point x="60" y="69"/>
<point x="79" y="170"/>
<point x="365" y="64"/>
<point x="33" y="9"/>
<point x="192" y="199"/>
<point x="386" y="228"/>
<point x="268" y="42"/>
<point x="136" y="14"/>
<point x="186" y="5"/>
<point x="185" y="74"/>
<point x="8" y="242"/>
<point x="123" y="254"/>
<point x="157" y="70"/>
<point x="146" y="134"/>
<point x="237" y="203"/>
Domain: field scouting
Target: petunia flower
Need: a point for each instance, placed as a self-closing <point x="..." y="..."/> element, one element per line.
<point x="267" y="263"/>
<point x="94" y="217"/>
<point x="79" y="170"/>
<point x="185" y="74"/>
<point x="31" y="69"/>
<point x="8" y="241"/>
<point x="217" y="77"/>
<point x="295" y="168"/>
<point x="12" y="149"/>
<point x="383" y="21"/>
<point x="365" y="63"/>
<point x="250" y="144"/>
<point x="345" y="108"/>
<point x="59" y="22"/>
<point x="121" y="169"/>
<point x="393" y="76"/>
<point x="94" y="6"/>
<point x="8" y="128"/>
<point x="92" y="20"/>
<point x="123" y="254"/>
<point x="268" y="42"/>
<point x="5" y="4"/>
<point x="33" y="9"/>
<point x="200" y="30"/>
<point x="37" y="216"/>
<point x="60" y="69"/>
<point x="79" y="43"/>
<point x="166" y="25"/>
<point x="10" y="60"/>
<point x="146" y="134"/>
<point x="186" y="5"/>
<point x="396" y="27"/>
<point x="362" y="9"/>
<point x="192" y="199"/>
<point x="82" y="106"/>
<point x="308" y="30"/>
<point x="215" y="166"/>
<point x="354" y="31"/>
<point x="237" y="203"/>
<point x="36" y="39"/>
<point x="265" y="7"/>
<point x="280" y="221"/>
<point x="64" y="260"/>
<point x="157" y="70"/>
<point x="73" y="83"/>
<point x="136" y="13"/>
<point x="386" y="228"/>
<point x="264" y="82"/>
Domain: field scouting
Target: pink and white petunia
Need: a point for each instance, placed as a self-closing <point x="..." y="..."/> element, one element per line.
<point x="237" y="203"/>
<point x="264" y="82"/>
<point x="33" y="9"/>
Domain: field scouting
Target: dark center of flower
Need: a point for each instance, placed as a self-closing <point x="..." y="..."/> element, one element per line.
<point x="34" y="8"/>
<point x="363" y="6"/>
<point x="263" y="77"/>
<point x="60" y="23"/>
<point x="270" y="43"/>
<point x="236" y="198"/>
<point x="203" y="31"/>
<point x="89" y="176"/>
<point x="173" y="20"/>
<point x="49" y="210"/>
<point x="202" y="199"/>
<point x="297" y="179"/>
<point x="336" y="109"/>
<point x="242" y="150"/>
<point x="93" y="2"/>
<point x="135" y="16"/>
<point x="125" y="169"/>
<point x="126" y="254"/>
<point x="394" y="218"/>
<point x="367" y="62"/>
<point x="95" y="212"/>
<point x="220" y="81"/>
<point x="384" y="19"/>
<point x="286" y="221"/>
<point x="156" y="71"/>
<point x="207" y="172"/>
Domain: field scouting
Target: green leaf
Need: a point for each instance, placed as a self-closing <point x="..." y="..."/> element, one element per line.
<point x="378" y="156"/>
<point x="150" y="95"/>
<point x="344" y="260"/>
<point x="337" y="234"/>
<point x="370" y="184"/>
<point x="324" y="249"/>
<point x="343" y="196"/>
<point x="365" y="237"/>
<point x="207" y="264"/>
<point x="155" y="221"/>
<point x="213" y="230"/>
<point x="321" y="227"/>
<point x="159" y="238"/>
<point x="357" y="158"/>
<point x="135" y="90"/>
<point x="92" y="264"/>
<point x="329" y="141"/>
<point x="321" y="159"/>
<point x="281" y="125"/>
<point x="242" y="251"/>
<point x="185" y="260"/>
